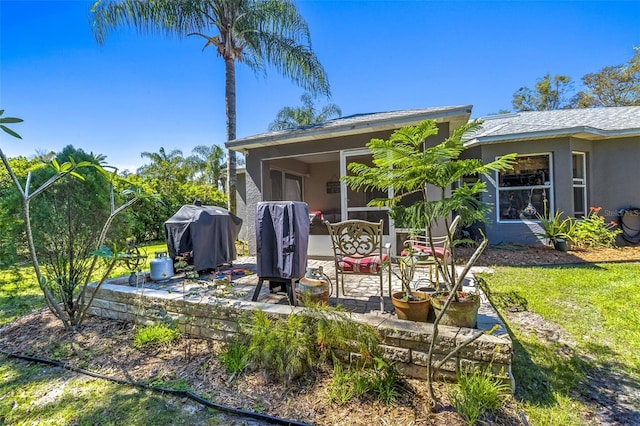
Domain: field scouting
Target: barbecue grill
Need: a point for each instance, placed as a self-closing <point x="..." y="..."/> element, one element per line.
<point x="282" y="239"/>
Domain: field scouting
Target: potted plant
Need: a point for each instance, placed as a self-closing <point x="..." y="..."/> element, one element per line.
<point x="430" y="176"/>
<point x="557" y="230"/>
<point x="409" y="304"/>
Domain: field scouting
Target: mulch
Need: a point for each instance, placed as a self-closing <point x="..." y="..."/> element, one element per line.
<point x="527" y="255"/>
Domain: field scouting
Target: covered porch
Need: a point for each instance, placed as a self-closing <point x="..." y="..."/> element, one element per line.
<point x="306" y="164"/>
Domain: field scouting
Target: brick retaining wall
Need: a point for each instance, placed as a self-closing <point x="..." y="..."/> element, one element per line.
<point x="403" y="342"/>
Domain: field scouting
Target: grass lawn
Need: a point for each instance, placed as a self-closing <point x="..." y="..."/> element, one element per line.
<point x="595" y="344"/>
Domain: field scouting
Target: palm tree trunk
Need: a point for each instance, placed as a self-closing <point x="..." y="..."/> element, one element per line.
<point x="230" y="103"/>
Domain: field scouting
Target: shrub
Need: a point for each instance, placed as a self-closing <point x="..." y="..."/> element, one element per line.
<point x="477" y="392"/>
<point x="285" y="349"/>
<point x="591" y="231"/>
<point x="234" y="358"/>
<point x="155" y="334"/>
<point x="557" y="227"/>
<point x="382" y="382"/>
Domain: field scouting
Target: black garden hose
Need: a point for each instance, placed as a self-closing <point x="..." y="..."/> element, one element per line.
<point x="629" y="234"/>
<point x="177" y="392"/>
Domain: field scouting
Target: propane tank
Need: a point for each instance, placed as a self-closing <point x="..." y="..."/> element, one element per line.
<point x="161" y="267"/>
<point x="314" y="286"/>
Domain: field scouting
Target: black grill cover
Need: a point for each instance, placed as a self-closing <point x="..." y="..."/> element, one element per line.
<point x="209" y="231"/>
<point x="282" y="239"/>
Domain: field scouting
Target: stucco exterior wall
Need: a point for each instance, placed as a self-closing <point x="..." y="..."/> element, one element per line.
<point x="241" y="203"/>
<point x="614" y="175"/>
<point x="611" y="182"/>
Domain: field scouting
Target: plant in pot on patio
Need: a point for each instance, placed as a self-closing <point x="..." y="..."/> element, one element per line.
<point x="409" y="304"/>
<point x="427" y="177"/>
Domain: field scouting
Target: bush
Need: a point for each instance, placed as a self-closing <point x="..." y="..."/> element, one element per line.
<point x="155" y="334"/>
<point x="477" y="392"/>
<point x="285" y="349"/>
<point x="383" y="382"/>
<point x="234" y="358"/>
<point x="591" y="231"/>
<point x="557" y="227"/>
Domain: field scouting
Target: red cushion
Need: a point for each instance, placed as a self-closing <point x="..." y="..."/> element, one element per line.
<point x="440" y="253"/>
<point x="362" y="265"/>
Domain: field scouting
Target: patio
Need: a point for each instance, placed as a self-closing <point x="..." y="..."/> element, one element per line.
<point x="362" y="291"/>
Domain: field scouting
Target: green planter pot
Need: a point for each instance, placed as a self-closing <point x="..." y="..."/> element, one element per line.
<point x="413" y="310"/>
<point x="560" y="244"/>
<point x="459" y="314"/>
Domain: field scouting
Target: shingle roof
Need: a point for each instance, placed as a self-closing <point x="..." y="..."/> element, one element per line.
<point x="589" y="123"/>
<point x="357" y="123"/>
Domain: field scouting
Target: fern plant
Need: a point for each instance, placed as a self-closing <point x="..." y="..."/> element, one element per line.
<point x="285" y="349"/>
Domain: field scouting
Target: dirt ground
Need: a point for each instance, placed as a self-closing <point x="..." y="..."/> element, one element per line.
<point x="104" y="346"/>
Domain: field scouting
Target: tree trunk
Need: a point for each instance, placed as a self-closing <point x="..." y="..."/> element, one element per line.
<point x="230" y="104"/>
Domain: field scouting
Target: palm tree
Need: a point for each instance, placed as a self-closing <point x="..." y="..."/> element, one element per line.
<point x="208" y="163"/>
<point x="254" y="32"/>
<point x="165" y="166"/>
<point x="290" y="117"/>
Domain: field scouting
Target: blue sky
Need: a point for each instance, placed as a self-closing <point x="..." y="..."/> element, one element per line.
<point x="139" y="93"/>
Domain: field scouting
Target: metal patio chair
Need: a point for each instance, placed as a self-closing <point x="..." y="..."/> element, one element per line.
<point x="358" y="250"/>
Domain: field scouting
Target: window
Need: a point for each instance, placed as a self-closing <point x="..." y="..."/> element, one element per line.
<point x="285" y="186"/>
<point x="525" y="190"/>
<point x="579" y="162"/>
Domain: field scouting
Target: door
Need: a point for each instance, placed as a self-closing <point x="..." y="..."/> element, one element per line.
<point x="354" y="203"/>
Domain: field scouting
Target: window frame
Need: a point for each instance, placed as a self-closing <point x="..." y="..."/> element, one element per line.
<point x="577" y="182"/>
<point x="548" y="186"/>
<point x="283" y="179"/>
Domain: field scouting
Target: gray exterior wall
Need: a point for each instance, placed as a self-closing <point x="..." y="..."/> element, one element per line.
<point x="241" y="203"/>
<point x="614" y="171"/>
<point x="611" y="182"/>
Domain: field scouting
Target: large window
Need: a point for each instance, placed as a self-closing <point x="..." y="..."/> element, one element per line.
<point x="525" y="190"/>
<point x="579" y="160"/>
<point x="285" y="186"/>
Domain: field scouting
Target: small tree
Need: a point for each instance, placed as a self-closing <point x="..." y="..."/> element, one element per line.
<point x="550" y="93"/>
<point x="403" y="163"/>
<point x="71" y="265"/>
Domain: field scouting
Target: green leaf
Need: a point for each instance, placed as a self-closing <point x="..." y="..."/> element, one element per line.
<point x="77" y="175"/>
<point x="11" y="132"/>
<point x="11" y="120"/>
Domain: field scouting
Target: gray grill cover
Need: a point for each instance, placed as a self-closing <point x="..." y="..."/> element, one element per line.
<point x="209" y="231"/>
<point x="282" y="239"/>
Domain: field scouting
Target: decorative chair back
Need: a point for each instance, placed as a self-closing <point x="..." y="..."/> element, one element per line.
<point x="421" y="245"/>
<point x="356" y="238"/>
<point x="358" y="248"/>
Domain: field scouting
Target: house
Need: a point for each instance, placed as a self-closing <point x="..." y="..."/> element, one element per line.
<point x="568" y="160"/>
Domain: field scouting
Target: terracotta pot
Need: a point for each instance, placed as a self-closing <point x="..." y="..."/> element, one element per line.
<point x="413" y="310"/>
<point x="459" y="314"/>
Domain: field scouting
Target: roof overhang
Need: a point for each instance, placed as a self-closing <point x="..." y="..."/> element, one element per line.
<point x="352" y="126"/>
<point x="581" y="132"/>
